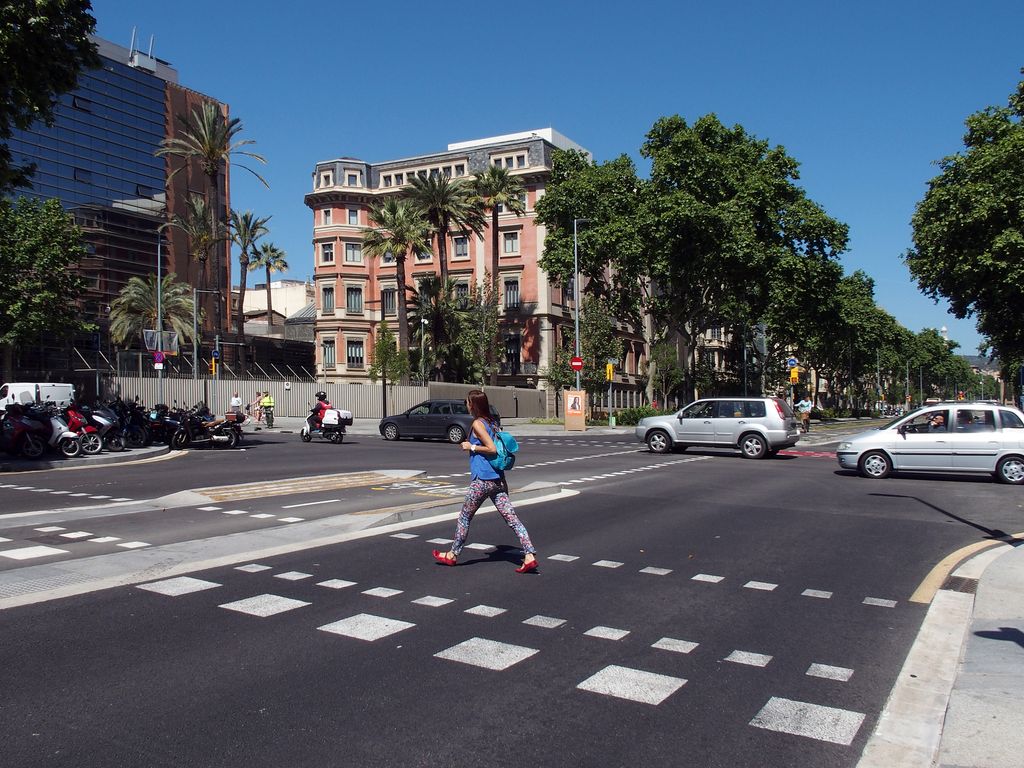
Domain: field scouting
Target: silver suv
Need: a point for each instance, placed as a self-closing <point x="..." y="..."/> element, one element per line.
<point x="757" y="426"/>
<point x="960" y="436"/>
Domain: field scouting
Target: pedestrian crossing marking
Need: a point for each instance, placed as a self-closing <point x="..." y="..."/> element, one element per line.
<point x="336" y="583"/>
<point x="293" y="576"/>
<point x="432" y="601"/>
<point x="749" y="658"/>
<point x="253" y="568"/>
<point x="181" y="585"/>
<point x="632" y="684"/>
<point x="764" y="586"/>
<point x="877" y="601"/>
<point x="676" y="646"/>
<point x="656" y="571"/>
<point x="546" y="622"/>
<point x="489" y="654"/>
<point x="290" y="486"/>
<point x="382" y="592"/>
<point x="366" y="626"/>
<point x="30" y="553"/>
<point x="841" y="674"/>
<point x="606" y="633"/>
<point x="488" y="611"/>
<point x="263" y="606"/>
<point x="838" y="726"/>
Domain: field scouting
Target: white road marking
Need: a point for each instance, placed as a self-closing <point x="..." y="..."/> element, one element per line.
<point x="290" y="519"/>
<point x="104" y="539"/>
<point x="29" y="553"/>
<point x="235" y="511"/>
<point x="632" y="684"/>
<point x="55" y="493"/>
<point x="816" y="593"/>
<point x="608" y="564"/>
<point x="133" y="544"/>
<point x="264" y="605"/>
<point x="293" y="575"/>
<point x="481" y="547"/>
<point x="433" y="602"/>
<point x="2" y="539"/>
<point x="838" y="726"/>
<point x="337" y="583"/>
<point x="310" y="503"/>
<point x="382" y="592"/>
<point x="263" y="516"/>
<point x="879" y="602"/>
<point x="547" y="622"/>
<point x="123" y="498"/>
<point x="707" y="577"/>
<point x="99" y="497"/>
<point x="488" y="654"/>
<point x="181" y="585"/>
<point x="842" y="674"/>
<point x="485" y="610"/>
<point x="209" y="509"/>
<point x="50" y="529"/>
<point x="676" y="646"/>
<point x="749" y="658"/>
<point x="404" y="535"/>
<point x="656" y="571"/>
<point x="762" y="585"/>
<point x="440" y="541"/>
<point x="77" y="535"/>
<point x="607" y="633"/>
<point x="253" y="568"/>
<point x="365" y="626"/>
<point x="564" y="558"/>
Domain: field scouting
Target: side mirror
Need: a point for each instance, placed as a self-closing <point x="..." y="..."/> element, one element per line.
<point x="902" y="429"/>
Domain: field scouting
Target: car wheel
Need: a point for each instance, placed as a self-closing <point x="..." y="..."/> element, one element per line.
<point x="32" y="447"/>
<point x="753" y="446"/>
<point x="876" y="465"/>
<point x="659" y="442"/>
<point x="456" y="434"/>
<point x="91" y="443"/>
<point x="391" y="431"/>
<point x="1010" y="469"/>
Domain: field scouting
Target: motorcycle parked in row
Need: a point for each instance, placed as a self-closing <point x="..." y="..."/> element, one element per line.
<point x="54" y="429"/>
<point x="133" y="421"/>
<point x="20" y="435"/>
<point x="193" y="431"/>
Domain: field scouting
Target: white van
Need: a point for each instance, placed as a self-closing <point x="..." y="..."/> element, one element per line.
<point x="27" y="393"/>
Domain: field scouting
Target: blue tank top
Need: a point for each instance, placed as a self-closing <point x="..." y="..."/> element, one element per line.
<point x="479" y="467"/>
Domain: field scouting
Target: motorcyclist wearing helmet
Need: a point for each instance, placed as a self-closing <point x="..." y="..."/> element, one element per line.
<point x="322" y="406"/>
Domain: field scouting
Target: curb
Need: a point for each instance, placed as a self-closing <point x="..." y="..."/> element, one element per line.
<point x="122" y="457"/>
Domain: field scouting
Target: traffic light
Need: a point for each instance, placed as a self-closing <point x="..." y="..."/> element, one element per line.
<point x="794" y="375"/>
<point x="960" y="395"/>
<point x="213" y="367"/>
<point x="609" y="372"/>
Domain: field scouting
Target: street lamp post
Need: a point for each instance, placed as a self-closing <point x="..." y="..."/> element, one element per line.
<point x="159" y="312"/>
<point x="576" y="286"/>
<point x="423" y="350"/>
<point x="195" y="330"/>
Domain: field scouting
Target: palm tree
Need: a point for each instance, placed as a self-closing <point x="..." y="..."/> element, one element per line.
<point x="272" y="259"/>
<point x="400" y="228"/>
<point x="135" y="307"/>
<point x="437" y="303"/>
<point x="445" y="203"/>
<point x="201" y="239"/>
<point x="496" y="187"/>
<point x="210" y="139"/>
<point x="246" y="229"/>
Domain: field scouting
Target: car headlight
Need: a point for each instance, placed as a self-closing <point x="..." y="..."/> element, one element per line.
<point x="845" y="446"/>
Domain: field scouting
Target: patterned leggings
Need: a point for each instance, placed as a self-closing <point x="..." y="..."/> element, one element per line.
<point x="497" y="491"/>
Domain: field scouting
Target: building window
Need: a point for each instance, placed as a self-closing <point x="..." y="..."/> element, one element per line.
<point x="327" y="300"/>
<point x="424" y="256"/>
<point x="513" y="344"/>
<point x="462" y="295"/>
<point x="327" y="253"/>
<point x="326" y="179"/>
<point x="83" y="104"/>
<point x="511" y="294"/>
<point x="353" y="216"/>
<point x="353" y="253"/>
<point x="328" y="352"/>
<point x="327" y="216"/>
<point x="354" y="354"/>
<point x="511" y="241"/>
<point x="461" y="247"/>
<point x="399" y="179"/>
<point x="387" y="181"/>
<point x="353" y="180"/>
<point x="716" y="333"/>
<point x="354" y="300"/>
<point x="83" y="175"/>
<point x="388" y="258"/>
<point x="388" y="296"/>
<point x="520" y="161"/>
<point x="460" y="170"/>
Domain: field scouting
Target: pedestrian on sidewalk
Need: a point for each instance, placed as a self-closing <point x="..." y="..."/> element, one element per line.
<point x="267" y="408"/>
<point x="236" y="406"/>
<point x="485" y="483"/>
<point x="804" y="409"/>
<point x="254" y="407"/>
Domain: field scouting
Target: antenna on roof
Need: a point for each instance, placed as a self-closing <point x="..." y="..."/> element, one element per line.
<point x="131" y="47"/>
<point x="151" y="39"/>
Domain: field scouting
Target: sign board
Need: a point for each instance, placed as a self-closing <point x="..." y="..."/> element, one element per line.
<point x="158" y="366"/>
<point x="215" y="354"/>
<point x="158" y="359"/>
<point x="576" y="363"/>
<point x="792" y="362"/>
<point x="575" y="401"/>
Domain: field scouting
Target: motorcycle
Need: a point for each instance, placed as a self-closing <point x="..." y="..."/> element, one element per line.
<point x="134" y="423"/>
<point x="88" y="434"/>
<point x="332" y="428"/>
<point x="193" y="431"/>
<point x="164" y="423"/>
<point x="109" y="426"/>
<point x="19" y="435"/>
<point x="54" y="429"/>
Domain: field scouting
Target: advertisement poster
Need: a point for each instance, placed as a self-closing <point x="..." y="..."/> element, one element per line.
<point x="575" y="410"/>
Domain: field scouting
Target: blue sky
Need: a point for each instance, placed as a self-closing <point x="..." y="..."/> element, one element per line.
<point x="866" y="96"/>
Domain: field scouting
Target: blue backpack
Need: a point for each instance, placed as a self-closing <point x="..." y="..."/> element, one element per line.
<point x="506" y="446"/>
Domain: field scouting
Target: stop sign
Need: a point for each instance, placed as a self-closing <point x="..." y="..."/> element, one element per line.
<point x="576" y="363"/>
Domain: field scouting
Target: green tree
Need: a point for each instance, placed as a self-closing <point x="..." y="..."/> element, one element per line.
<point x="478" y="332"/>
<point x="246" y="230"/>
<point x="202" y="240"/>
<point x="40" y="251"/>
<point x="399" y="227"/>
<point x="272" y="259"/>
<point x="210" y="139"/>
<point x="135" y="308"/>
<point x="665" y="370"/>
<point x="598" y="343"/>
<point x="437" y="304"/>
<point x="44" y="47"/>
<point x="390" y="362"/>
<point x="446" y="203"/>
<point x="497" y="188"/>
<point x="558" y="374"/>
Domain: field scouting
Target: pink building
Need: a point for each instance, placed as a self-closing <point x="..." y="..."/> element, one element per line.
<point x="353" y="293"/>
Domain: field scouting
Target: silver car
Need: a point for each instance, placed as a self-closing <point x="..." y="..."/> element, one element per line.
<point x="947" y="437"/>
<point x="757" y="426"/>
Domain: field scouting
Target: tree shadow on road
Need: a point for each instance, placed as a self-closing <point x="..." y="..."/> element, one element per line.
<point x="1009" y="634"/>
<point x="990" y="533"/>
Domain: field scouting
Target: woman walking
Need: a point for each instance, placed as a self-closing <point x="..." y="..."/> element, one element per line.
<point x="485" y="483"/>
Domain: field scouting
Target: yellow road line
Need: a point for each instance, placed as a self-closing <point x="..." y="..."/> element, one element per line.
<point x="293" y="485"/>
<point x="938" y="575"/>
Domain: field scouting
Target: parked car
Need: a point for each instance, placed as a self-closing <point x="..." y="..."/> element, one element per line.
<point x="445" y="419"/>
<point x="756" y="426"/>
<point x="974" y="437"/>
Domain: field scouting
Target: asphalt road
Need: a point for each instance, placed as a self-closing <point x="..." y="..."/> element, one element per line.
<point x="681" y="604"/>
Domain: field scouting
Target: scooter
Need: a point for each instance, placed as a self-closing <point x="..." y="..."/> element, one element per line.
<point x="332" y="428"/>
<point x="19" y="434"/>
<point x="57" y="432"/>
<point x="88" y="435"/>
